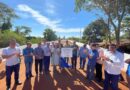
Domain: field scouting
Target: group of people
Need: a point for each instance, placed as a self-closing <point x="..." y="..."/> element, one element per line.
<point x="46" y="53"/>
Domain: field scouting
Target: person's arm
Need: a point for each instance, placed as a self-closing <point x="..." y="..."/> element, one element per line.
<point x="127" y="61"/>
<point x="0" y="59"/>
<point x="90" y="53"/>
<point x="35" y="52"/>
<point x="5" y="55"/>
<point x="119" y="62"/>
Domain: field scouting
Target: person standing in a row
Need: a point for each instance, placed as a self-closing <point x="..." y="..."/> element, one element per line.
<point x="114" y="62"/>
<point x="92" y="59"/>
<point x="99" y="65"/>
<point x="74" y="55"/>
<point x="47" y="54"/>
<point x="39" y="54"/>
<point x="55" y="56"/>
<point x="28" y="59"/>
<point x="67" y="45"/>
<point x="83" y="53"/>
<point x="12" y="55"/>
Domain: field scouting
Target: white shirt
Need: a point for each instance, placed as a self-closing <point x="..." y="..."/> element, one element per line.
<point x="14" y="59"/>
<point x="117" y="63"/>
<point x="47" y="51"/>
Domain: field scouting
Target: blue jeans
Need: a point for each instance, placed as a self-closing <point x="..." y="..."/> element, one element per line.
<point x="46" y="63"/>
<point x="82" y="62"/>
<point x="90" y="72"/>
<point x="9" y="71"/>
<point x="111" y="80"/>
<point x="28" y="66"/>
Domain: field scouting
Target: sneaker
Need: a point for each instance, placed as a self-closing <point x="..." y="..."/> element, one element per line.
<point x="18" y="83"/>
<point x="31" y="76"/>
<point x="8" y="88"/>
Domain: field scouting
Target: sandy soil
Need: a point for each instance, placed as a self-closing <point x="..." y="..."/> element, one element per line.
<point x="66" y="80"/>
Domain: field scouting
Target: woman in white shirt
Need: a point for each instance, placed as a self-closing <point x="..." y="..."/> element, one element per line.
<point x="55" y="56"/>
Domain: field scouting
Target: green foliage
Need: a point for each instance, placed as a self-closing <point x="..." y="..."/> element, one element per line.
<point x="6" y="25"/>
<point x="24" y="30"/>
<point x="115" y="10"/>
<point x="7" y="35"/>
<point x="36" y="40"/>
<point x="6" y="15"/>
<point x="49" y="35"/>
<point x="126" y="27"/>
<point x="95" y="31"/>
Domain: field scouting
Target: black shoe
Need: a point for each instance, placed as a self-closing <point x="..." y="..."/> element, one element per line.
<point x="18" y="83"/>
<point x="8" y="88"/>
<point x="31" y="76"/>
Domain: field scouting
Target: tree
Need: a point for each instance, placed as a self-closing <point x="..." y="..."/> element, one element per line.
<point x="116" y="10"/>
<point x="6" y="15"/>
<point x="126" y="27"/>
<point x="49" y="34"/>
<point x="18" y="29"/>
<point x="27" y="30"/>
<point x="96" y="31"/>
<point x="6" y="25"/>
<point x="24" y="30"/>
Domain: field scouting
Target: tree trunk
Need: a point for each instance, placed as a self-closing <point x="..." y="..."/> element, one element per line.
<point x="117" y="33"/>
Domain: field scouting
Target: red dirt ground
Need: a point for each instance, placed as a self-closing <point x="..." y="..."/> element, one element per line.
<point x="66" y="80"/>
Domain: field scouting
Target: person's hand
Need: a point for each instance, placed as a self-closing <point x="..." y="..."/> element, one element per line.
<point x="17" y="54"/>
<point x="31" y="54"/>
<point x="105" y="58"/>
<point x="127" y="61"/>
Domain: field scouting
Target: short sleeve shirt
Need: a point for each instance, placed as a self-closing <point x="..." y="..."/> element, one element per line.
<point x="14" y="59"/>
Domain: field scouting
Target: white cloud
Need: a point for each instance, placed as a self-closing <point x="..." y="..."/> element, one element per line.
<point x="54" y="24"/>
<point x="50" y="8"/>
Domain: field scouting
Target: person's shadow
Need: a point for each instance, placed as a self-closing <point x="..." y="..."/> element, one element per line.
<point x="44" y="82"/>
<point x="2" y="74"/>
<point x="27" y="85"/>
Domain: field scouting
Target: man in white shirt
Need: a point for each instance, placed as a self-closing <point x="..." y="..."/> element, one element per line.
<point x="12" y="54"/>
<point x="47" y="54"/>
<point x="114" y="62"/>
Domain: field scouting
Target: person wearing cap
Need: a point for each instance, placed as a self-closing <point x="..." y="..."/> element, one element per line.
<point x="113" y="64"/>
<point x="12" y="54"/>
<point x="39" y="54"/>
<point x="28" y="59"/>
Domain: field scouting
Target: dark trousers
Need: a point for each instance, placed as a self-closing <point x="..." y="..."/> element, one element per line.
<point x="82" y="62"/>
<point x="28" y="69"/>
<point x="111" y="80"/>
<point x="9" y="71"/>
<point x="46" y="63"/>
<point x="38" y="65"/>
<point x="99" y="71"/>
<point x="74" y="62"/>
<point x="90" y="72"/>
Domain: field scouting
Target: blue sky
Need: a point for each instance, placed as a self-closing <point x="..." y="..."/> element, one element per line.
<point x="56" y="14"/>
